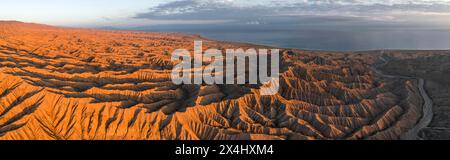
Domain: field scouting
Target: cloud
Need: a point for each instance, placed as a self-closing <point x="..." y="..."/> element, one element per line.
<point x="275" y="11"/>
<point x="202" y="10"/>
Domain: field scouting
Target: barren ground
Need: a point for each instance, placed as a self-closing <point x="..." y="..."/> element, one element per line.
<point x="61" y="83"/>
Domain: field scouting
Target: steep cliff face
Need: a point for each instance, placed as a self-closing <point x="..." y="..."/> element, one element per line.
<point x="59" y="83"/>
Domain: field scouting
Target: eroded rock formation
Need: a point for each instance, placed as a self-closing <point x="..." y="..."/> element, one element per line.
<point x="59" y="83"/>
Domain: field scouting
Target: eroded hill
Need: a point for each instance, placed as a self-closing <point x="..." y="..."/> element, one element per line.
<point x="61" y="83"/>
<point x="434" y="67"/>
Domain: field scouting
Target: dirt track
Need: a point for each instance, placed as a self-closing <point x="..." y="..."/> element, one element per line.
<point x="61" y="83"/>
<point x="412" y="134"/>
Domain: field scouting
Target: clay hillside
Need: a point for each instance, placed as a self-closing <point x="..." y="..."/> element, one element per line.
<point x="65" y="83"/>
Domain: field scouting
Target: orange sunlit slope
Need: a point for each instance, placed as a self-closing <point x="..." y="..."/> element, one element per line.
<point x="61" y="83"/>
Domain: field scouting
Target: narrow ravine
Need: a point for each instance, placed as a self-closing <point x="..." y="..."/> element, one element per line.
<point x="427" y="109"/>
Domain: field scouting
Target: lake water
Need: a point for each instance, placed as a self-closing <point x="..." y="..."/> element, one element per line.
<point x="340" y="38"/>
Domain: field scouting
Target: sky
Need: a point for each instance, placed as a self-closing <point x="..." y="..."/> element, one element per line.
<point x="73" y="12"/>
<point x="125" y="13"/>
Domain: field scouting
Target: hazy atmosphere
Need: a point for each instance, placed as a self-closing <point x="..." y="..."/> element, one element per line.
<point x="308" y="24"/>
<point x="199" y="70"/>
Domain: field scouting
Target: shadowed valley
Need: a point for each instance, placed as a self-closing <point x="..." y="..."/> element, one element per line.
<point x="67" y="83"/>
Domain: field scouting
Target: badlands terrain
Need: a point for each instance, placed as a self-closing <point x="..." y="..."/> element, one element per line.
<point x="434" y="68"/>
<point x="72" y="84"/>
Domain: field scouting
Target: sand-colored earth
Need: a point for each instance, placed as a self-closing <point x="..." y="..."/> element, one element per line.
<point x="62" y="83"/>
